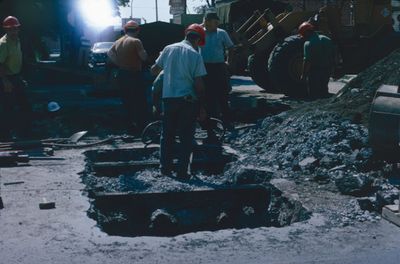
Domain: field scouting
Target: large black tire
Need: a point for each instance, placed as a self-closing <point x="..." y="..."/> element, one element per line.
<point x="284" y="66"/>
<point x="258" y="70"/>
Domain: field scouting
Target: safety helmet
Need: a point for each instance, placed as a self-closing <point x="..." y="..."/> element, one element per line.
<point x="199" y="30"/>
<point x="131" y="25"/>
<point x="11" y="22"/>
<point x="53" y="107"/>
<point x="305" y="28"/>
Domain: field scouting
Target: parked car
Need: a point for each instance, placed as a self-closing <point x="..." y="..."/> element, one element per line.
<point x="98" y="54"/>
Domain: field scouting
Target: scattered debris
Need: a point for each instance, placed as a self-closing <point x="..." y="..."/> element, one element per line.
<point x="45" y="205"/>
<point x="14" y="183"/>
<point x="392" y="214"/>
<point x="357" y="185"/>
<point x="162" y="220"/>
<point x="307" y="161"/>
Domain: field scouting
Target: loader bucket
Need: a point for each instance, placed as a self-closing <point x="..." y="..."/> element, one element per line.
<point x="384" y="125"/>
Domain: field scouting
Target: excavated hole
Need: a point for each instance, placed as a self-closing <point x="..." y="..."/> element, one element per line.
<point x="135" y="211"/>
<point x="210" y="159"/>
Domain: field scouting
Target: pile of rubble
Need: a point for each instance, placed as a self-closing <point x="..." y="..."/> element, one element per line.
<point x="355" y="99"/>
<point x="326" y="142"/>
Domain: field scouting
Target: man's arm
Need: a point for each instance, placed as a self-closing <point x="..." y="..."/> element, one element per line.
<point x="199" y="88"/>
<point x="155" y="69"/>
<point x="142" y="52"/>
<point x="3" y="56"/>
<point x="228" y="44"/>
<point x="306" y="61"/>
<point x="112" y="55"/>
<point x="158" y="65"/>
<point x="306" y="69"/>
<point x="7" y="85"/>
<point x="3" y="70"/>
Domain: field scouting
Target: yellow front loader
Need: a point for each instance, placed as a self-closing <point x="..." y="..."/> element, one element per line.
<point x="270" y="49"/>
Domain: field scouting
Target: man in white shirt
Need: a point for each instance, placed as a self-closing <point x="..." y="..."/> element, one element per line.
<point x="217" y="79"/>
<point x="182" y="89"/>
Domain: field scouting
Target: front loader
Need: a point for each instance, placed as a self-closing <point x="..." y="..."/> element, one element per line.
<point x="274" y="51"/>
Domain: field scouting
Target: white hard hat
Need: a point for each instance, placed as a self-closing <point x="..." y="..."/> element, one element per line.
<point x="53" y="107"/>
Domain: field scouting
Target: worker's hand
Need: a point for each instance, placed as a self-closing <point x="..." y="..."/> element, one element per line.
<point x="8" y="87"/>
<point x="303" y="78"/>
<point x="156" y="111"/>
<point x="202" y="114"/>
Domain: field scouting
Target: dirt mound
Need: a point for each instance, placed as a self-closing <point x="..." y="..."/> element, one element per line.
<point x="354" y="101"/>
<point x="323" y="145"/>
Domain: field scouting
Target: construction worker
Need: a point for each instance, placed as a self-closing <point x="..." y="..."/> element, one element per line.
<point x="318" y="61"/>
<point x="128" y="55"/>
<point x="12" y="86"/>
<point x="217" y="79"/>
<point x="182" y="91"/>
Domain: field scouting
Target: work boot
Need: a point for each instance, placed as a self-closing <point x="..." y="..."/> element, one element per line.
<point x="166" y="172"/>
<point x="211" y="139"/>
<point x="183" y="176"/>
<point x="229" y="126"/>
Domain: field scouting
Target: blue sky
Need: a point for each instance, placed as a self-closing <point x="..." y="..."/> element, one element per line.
<point x="146" y="9"/>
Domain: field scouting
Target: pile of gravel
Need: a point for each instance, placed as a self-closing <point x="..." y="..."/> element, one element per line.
<point x="322" y="147"/>
<point x="354" y="100"/>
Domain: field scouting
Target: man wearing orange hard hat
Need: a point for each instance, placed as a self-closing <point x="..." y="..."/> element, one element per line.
<point x="182" y="92"/>
<point x="12" y="86"/>
<point x="128" y="55"/>
<point x="318" y="61"/>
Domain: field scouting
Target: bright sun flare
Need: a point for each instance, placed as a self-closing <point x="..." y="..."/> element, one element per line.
<point x="97" y="13"/>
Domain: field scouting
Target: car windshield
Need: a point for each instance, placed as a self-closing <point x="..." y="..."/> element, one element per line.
<point x="103" y="45"/>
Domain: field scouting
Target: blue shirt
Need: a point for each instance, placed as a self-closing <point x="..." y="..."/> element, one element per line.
<point x="181" y="64"/>
<point x="216" y="43"/>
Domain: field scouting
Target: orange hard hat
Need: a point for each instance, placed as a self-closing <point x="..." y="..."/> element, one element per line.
<point x="131" y="25"/>
<point x="11" y="22"/>
<point x="198" y="29"/>
<point x="305" y="28"/>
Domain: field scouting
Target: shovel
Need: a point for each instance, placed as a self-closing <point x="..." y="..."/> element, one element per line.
<point x="40" y="143"/>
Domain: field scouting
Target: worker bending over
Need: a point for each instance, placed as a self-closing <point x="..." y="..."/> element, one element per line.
<point x="318" y="63"/>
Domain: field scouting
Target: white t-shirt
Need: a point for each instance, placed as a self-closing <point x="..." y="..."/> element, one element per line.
<point x="181" y="64"/>
<point x="216" y="43"/>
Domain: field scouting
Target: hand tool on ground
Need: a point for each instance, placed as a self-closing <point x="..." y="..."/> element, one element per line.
<point x="31" y="144"/>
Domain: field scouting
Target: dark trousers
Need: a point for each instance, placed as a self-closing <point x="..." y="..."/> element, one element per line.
<point x="16" y="110"/>
<point x="217" y="91"/>
<point x="317" y="81"/>
<point x="133" y="95"/>
<point x="179" y="119"/>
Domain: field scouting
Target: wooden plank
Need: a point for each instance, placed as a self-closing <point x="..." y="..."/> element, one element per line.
<point x="115" y="168"/>
<point x="391" y="213"/>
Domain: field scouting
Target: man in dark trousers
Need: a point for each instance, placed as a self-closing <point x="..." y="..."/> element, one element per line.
<point x="217" y="79"/>
<point x="12" y="86"/>
<point x="182" y="92"/>
<point x="128" y="54"/>
<point x="318" y="62"/>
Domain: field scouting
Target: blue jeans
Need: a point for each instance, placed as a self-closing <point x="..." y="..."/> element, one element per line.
<point x="179" y="119"/>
